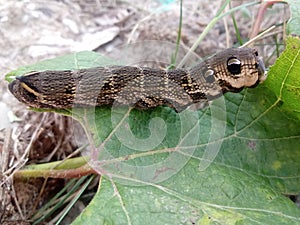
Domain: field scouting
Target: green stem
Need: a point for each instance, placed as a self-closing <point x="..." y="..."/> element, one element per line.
<point x="174" y="56"/>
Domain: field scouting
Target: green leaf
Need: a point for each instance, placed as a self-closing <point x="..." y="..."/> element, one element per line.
<point x="258" y="160"/>
<point x="209" y="197"/>
<point x="79" y="60"/>
<point x="293" y="25"/>
<point x="285" y="79"/>
<point x="227" y="164"/>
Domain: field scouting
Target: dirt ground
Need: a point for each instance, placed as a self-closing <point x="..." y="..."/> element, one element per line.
<point x="31" y="31"/>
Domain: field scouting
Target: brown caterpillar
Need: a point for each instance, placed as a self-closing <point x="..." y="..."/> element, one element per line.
<point x="141" y="87"/>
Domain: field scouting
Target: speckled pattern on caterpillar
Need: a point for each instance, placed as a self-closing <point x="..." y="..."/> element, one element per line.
<point x="141" y="87"/>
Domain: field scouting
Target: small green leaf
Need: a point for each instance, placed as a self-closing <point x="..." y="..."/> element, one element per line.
<point x="293" y="25"/>
<point x="284" y="77"/>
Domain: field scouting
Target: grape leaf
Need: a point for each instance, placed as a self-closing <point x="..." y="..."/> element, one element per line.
<point x="284" y="77"/>
<point x="293" y="25"/>
<point x="258" y="160"/>
<point x="226" y="164"/>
